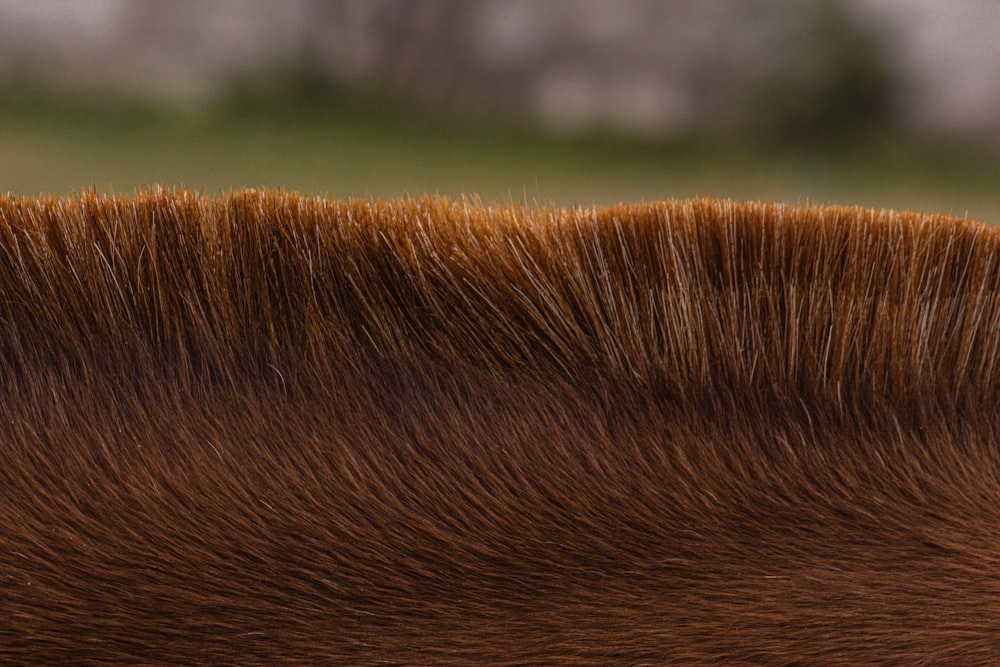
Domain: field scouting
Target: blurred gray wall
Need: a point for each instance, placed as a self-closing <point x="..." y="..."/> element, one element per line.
<point x="666" y="66"/>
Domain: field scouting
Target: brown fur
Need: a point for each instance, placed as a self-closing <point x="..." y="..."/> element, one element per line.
<point x="266" y="429"/>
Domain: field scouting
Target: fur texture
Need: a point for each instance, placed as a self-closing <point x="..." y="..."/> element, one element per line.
<point x="265" y="429"/>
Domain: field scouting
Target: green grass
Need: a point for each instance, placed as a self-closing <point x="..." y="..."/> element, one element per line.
<point x="339" y="149"/>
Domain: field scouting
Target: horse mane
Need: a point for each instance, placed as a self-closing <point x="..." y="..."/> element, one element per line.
<point x="270" y="429"/>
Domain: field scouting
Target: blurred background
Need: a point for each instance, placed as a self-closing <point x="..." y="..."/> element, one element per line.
<point x="888" y="103"/>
